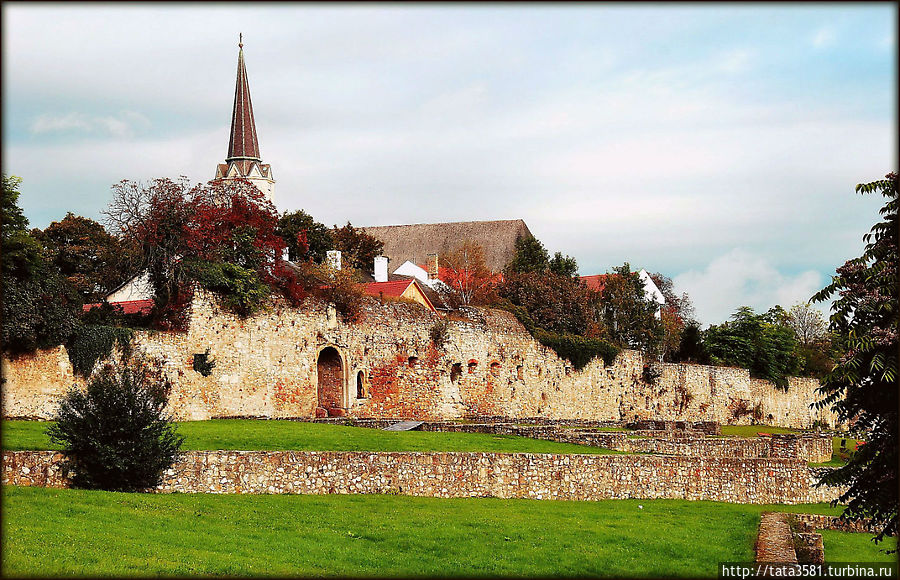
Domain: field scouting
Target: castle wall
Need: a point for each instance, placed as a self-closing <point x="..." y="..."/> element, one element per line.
<point x="33" y="383"/>
<point x="266" y="365"/>
<point x="503" y="475"/>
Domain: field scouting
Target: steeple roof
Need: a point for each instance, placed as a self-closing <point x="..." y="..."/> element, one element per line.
<point x="243" y="143"/>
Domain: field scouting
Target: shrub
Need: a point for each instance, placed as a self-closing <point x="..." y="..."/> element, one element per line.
<point x="440" y="332"/>
<point x="240" y="288"/>
<point x="341" y="288"/>
<point x="90" y="343"/>
<point x="115" y="434"/>
<point x="577" y="349"/>
<point x="204" y="364"/>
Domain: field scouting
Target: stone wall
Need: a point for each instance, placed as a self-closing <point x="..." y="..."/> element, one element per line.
<point x="32" y="384"/>
<point x="267" y="365"/>
<point x="503" y="475"/>
<point x="809" y="448"/>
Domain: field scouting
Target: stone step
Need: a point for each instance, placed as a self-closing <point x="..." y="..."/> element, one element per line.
<point x="403" y="426"/>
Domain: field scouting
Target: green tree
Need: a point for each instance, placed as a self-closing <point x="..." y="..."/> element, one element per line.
<point x="115" y="434"/>
<point x="555" y="303"/>
<point x="762" y="343"/>
<point x="318" y="238"/>
<point x="358" y="249"/>
<point x="91" y="259"/>
<point x="863" y="385"/>
<point x="40" y="308"/>
<point x="815" y="347"/>
<point x="563" y="265"/>
<point x="629" y="317"/>
<point x="530" y="256"/>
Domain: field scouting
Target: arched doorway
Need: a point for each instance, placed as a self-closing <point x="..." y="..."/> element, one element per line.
<point x="330" y="369"/>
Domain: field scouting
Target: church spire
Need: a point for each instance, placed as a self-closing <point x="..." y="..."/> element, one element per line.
<point x="243" y="143"/>
<point x="243" y="161"/>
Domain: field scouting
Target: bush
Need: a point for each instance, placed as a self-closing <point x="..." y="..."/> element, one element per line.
<point x="240" y="288"/>
<point x="577" y="349"/>
<point x="90" y="343"/>
<point x="440" y="332"/>
<point x="115" y="434"/>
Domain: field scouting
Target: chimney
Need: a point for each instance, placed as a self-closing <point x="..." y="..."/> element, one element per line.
<point x="381" y="269"/>
<point x="333" y="259"/>
<point x="432" y="266"/>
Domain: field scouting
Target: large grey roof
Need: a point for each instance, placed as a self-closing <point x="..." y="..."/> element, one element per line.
<point x="415" y="241"/>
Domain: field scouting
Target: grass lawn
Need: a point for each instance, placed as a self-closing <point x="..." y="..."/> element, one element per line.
<point x="49" y="532"/>
<point x="250" y="435"/>
<point x="850" y="547"/>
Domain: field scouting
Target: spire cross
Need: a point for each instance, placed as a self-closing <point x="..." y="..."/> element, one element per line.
<point x="240" y="40"/>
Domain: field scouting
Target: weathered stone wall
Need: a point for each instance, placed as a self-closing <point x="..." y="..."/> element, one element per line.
<point x="809" y="448"/>
<point x="32" y="384"/>
<point x="504" y="475"/>
<point x="266" y="365"/>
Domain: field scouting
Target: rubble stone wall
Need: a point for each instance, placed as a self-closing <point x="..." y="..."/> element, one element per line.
<point x="503" y="475"/>
<point x="266" y="365"/>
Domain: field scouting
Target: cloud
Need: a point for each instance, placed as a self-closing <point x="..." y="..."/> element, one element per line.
<point x="123" y="125"/>
<point x="823" y="38"/>
<point x="741" y="278"/>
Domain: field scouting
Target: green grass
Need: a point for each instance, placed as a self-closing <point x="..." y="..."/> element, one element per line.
<point x="50" y="532"/>
<point x="851" y="547"/>
<point x="250" y="435"/>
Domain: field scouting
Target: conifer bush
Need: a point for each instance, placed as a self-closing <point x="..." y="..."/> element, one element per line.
<point x="116" y="434"/>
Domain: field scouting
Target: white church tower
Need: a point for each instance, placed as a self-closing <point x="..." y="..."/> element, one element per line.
<point x="243" y="161"/>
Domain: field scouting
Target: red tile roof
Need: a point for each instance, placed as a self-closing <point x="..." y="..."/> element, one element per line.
<point x="127" y="307"/>
<point x="393" y="288"/>
<point x="596" y="282"/>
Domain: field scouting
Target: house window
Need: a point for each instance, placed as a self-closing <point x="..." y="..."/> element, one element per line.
<point x="361" y="392"/>
<point x="473" y="364"/>
<point x="413" y="361"/>
<point x="495" y="369"/>
<point x="520" y="372"/>
<point x="455" y="372"/>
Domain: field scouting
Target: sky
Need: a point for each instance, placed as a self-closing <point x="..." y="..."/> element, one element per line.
<point x="718" y="144"/>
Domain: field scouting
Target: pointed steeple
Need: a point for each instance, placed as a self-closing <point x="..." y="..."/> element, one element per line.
<point x="243" y="161"/>
<point x="243" y="143"/>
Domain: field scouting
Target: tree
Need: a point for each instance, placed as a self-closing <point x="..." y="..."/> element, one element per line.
<point x="297" y="229"/>
<point x="807" y="323"/>
<point x="467" y="278"/>
<point x="91" y="259"/>
<point x="530" y="256"/>
<point x="555" y="303"/>
<point x="762" y="343"/>
<point x="358" y="248"/>
<point x="40" y="308"/>
<point x="221" y="234"/>
<point x="691" y="348"/>
<point x="563" y="265"/>
<point x="629" y="317"/>
<point x="863" y="385"/>
<point x="676" y="315"/>
<point x="815" y="346"/>
<point x="115" y="434"/>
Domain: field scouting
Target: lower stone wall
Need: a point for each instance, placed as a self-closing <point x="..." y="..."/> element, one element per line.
<point x="503" y="475"/>
<point x="823" y="522"/>
<point x="808" y="448"/>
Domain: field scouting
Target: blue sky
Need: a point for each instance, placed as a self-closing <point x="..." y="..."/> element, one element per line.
<point x="718" y="144"/>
